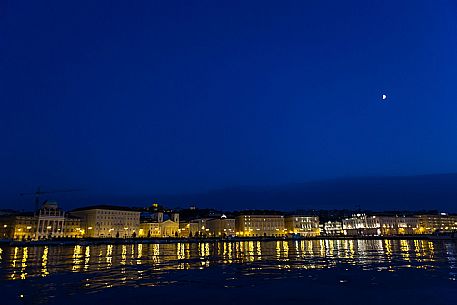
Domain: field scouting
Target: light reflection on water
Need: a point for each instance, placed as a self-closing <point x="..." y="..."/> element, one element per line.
<point x="142" y="264"/>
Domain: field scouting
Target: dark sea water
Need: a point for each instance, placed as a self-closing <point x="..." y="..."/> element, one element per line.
<point x="249" y="272"/>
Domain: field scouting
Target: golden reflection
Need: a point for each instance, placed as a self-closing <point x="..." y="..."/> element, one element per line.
<point x="201" y="250"/>
<point x="109" y="255"/>
<point x="250" y="251"/>
<point x="180" y="251"/>
<point x="187" y="250"/>
<point x="361" y="248"/>
<point x="424" y="247"/>
<point x="44" y="262"/>
<point x="139" y="251"/>
<point x="322" y="248"/>
<point x="388" y="247"/>
<point x="417" y="248"/>
<point x="237" y="248"/>
<point x="77" y="258"/>
<point x="351" y="248"/>
<point x="224" y="250"/>
<point x="285" y="246"/>
<point x="16" y="249"/>
<point x="180" y="255"/>
<point x="303" y="254"/>
<point x="1" y="252"/>
<point x="310" y="247"/>
<point x="86" y="258"/>
<point x="13" y="262"/>
<point x="258" y="248"/>
<point x="204" y="254"/>
<point x="155" y="253"/>
<point x="124" y="255"/>
<point x="25" y="256"/>
<point x="132" y="250"/>
<point x="227" y="254"/>
<point x="345" y="251"/>
<point x="206" y="249"/>
<point x="297" y="248"/>
<point x="278" y="249"/>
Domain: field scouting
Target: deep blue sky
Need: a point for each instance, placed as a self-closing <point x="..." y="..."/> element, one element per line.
<point x="170" y="97"/>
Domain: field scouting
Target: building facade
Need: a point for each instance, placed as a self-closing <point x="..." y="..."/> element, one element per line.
<point x="260" y="225"/>
<point x="191" y="228"/>
<point x="332" y="228"/>
<point x="21" y="226"/>
<point x="363" y="225"/>
<point x="50" y="221"/>
<point x="221" y="227"/>
<point x="72" y="227"/>
<point x="433" y="223"/>
<point x="302" y="225"/>
<point x="46" y="223"/>
<point x="159" y="224"/>
<point x="194" y="228"/>
<point x="108" y="221"/>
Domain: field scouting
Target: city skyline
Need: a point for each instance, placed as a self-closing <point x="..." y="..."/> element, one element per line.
<point x="261" y="152"/>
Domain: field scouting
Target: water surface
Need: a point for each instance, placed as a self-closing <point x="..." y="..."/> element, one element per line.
<point x="273" y="272"/>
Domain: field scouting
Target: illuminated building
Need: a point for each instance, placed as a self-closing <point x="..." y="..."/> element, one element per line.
<point x="21" y="226"/>
<point x="221" y="227"/>
<point x="149" y="229"/>
<point x="169" y="228"/>
<point x="72" y="227"/>
<point x="443" y="222"/>
<point x="155" y="225"/>
<point x="302" y="225"/>
<point x="108" y="221"/>
<point x="260" y="225"/>
<point x="195" y="227"/>
<point x="190" y="228"/>
<point x="48" y="222"/>
<point x="364" y="225"/>
<point x="332" y="228"/>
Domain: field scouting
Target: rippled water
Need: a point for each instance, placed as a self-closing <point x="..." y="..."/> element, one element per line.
<point x="253" y="271"/>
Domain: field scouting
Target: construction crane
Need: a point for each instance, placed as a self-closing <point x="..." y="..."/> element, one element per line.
<point x="39" y="193"/>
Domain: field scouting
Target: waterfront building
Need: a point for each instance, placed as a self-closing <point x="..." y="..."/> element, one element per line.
<point x="332" y="228"/>
<point x="169" y="228"/>
<point x="192" y="227"/>
<point x="159" y="224"/>
<point x="432" y="223"/>
<point x="302" y="225"/>
<point x="72" y="227"/>
<point x="22" y="226"/>
<point x="48" y="222"/>
<point x="221" y="227"/>
<point x="195" y="227"/>
<point x="108" y="221"/>
<point x="149" y="229"/>
<point x="361" y="224"/>
<point x="260" y="225"/>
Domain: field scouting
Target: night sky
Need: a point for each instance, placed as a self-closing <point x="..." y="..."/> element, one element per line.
<point x="143" y="98"/>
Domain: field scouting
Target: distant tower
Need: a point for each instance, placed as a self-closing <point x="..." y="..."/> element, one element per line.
<point x="159" y="216"/>
<point x="174" y="217"/>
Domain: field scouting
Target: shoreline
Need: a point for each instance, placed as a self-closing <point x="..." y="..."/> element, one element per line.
<point x="174" y="240"/>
